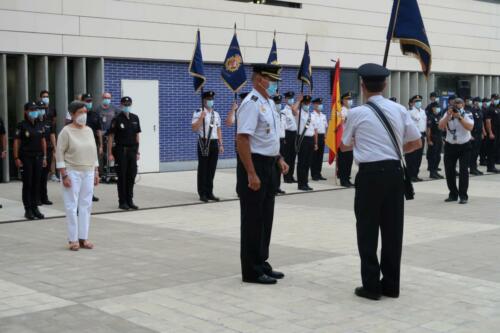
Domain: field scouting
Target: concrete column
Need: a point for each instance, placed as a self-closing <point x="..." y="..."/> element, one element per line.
<point x="396" y="85"/>
<point x="4" y="113"/>
<point x="422" y="89"/>
<point x="480" y="86"/>
<point x="21" y="85"/>
<point x="405" y="88"/>
<point x="487" y="86"/>
<point x="387" y="91"/>
<point x="495" y="85"/>
<point x="95" y="78"/>
<point x="414" y="84"/>
<point x="41" y="74"/>
<point x="431" y="85"/>
<point x="61" y="92"/>
<point x="474" y="86"/>
<point x="79" y="76"/>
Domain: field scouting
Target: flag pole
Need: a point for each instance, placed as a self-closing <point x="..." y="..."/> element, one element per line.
<point x="386" y="54"/>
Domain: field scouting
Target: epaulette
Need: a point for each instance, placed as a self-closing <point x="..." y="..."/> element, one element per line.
<point x="254" y="98"/>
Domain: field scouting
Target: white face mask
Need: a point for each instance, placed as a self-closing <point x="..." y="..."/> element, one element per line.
<point x="349" y="103"/>
<point x="81" y="119"/>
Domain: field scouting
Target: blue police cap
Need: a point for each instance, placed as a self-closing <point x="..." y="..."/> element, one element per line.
<point x="373" y="72"/>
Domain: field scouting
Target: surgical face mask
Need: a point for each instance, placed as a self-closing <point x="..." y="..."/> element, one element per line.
<point x="320" y="107"/>
<point x="33" y="114"/>
<point x="305" y="108"/>
<point x="349" y="103"/>
<point x="418" y="105"/>
<point x="273" y="87"/>
<point x="291" y="101"/>
<point x="436" y="100"/>
<point x="81" y="119"/>
<point x="45" y="100"/>
<point x="210" y="104"/>
<point x="41" y="112"/>
<point x="437" y="110"/>
<point x="126" y="109"/>
<point x="106" y="101"/>
<point x="88" y="106"/>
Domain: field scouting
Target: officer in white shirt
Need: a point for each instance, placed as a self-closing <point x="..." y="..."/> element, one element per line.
<point x="379" y="198"/>
<point x="345" y="158"/>
<point x="320" y="123"/>
<point x="306" y="143"/>
<point x="282" y="116"/>
<point x="458" y="125"/>
<point x="207" y="124"/>
<point x="291" y="110"/>
<point x="414" y="159"/>
<point x="231" y="115"/>
<point x="258" y="146"/>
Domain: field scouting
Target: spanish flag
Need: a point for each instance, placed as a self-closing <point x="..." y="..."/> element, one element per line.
<point x="335" y="129"/>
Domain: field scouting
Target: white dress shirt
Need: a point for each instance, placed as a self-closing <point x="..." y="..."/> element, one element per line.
<point x="320" y="122"/>
<point x="455" y="132"/>
<point x="304" y="118"/>
<point x="419" y="118"/>
<point x="291" y="123"/>
<point x="207" y="120"/>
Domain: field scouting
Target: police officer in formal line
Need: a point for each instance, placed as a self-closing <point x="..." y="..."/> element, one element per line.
<point x="3" y="144"/>
<point x="493" y="130"/>
<point x="433" y="98"/>
<point x="478" y="134"/>
<point x="306" y="142"/>
<point x="483" y="153"/>
<point x="207" y="124"/>
<point x="94" y="122"/>
<point x="468" y="103"/>
<point x="379" y="198"/>
<point x="291" y="110"/>
<point x="106" y="112"/>
<point x="414" y="159"/>
<point x="30" y="154"/>
<point x="320" y="123"/>
<point x="258" y="147"/>
<point x="50" y="139"/>
<point x="50" y="111"/>
<point x="231" y="115"/>
<point x="434" y="140"/>
<point x="495" y="111"/>
<point x="282" y="117"/>
<point x="124" y="132"/>
<point x="345" y="158"/>
<point x="458" y="125"/>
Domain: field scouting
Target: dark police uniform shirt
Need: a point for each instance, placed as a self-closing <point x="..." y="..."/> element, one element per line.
<point x="478" y="122"/>
<point x="94" y="122"/>
<point x="125" y="129"/>
<point x="30" y="136"/>
<point x="433" y="124"/>
<point x="493" y="114"/>
<point x="48" y="130"/>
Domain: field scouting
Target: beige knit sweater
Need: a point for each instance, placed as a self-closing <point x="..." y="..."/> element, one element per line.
<point x="76" y="149"/>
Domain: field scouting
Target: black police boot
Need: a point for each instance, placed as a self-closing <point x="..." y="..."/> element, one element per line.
<point x="263" y="279"/>
<point x="37" y="213"/>
<point x="133" y="206"/>
<point x="28" y="213"/>
<point x="212" y="197"/>
<point x="47" y="202"/>
<point x="124" y="206"/>
<point x="203" y="198"/>
<point x="94" y="198"/>
<point x="362" y="292"/>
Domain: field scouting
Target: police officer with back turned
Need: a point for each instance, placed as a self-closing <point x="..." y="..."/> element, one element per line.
<point x="380" y="189"/>
<point x="258" y="146"/>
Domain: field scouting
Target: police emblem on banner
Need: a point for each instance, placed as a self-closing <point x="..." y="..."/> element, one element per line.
<point x="233" y="63"/>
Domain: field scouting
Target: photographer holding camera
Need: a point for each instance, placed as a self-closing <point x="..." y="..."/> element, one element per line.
<point x="458" y="125"/>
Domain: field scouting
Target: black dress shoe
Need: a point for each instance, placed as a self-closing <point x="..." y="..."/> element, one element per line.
<point x="439" y="169"/>
<point x="462" y="201"/>
<point x="294" y="180"/>
<point x="47" y="202"/>
<point x="345" y="183"/>
<point x="275" y="274"/>
<point x="434" y="176"/>
<point x="280" y="191"/>
<point x="315" y="178"/>
<point x="303" y="188"/>
<point x="124" y="206"/>
<point x="419" y="179"/>
<point x="322" y="178"/>
<point x="133" y="206"/>
<point x="309" y="188"/>
<point x="392" y="294"/>
<point x="480" y="173"/>
<point x="263" y="279"/>
<point x="203" y="198"/>
<point x="362" y="292"/>
<point x="212" y="197"/>
<point x="95" y="199"/>
<point x="450" y="199"/>
<point x="493" y="170"/>
<point x="28" y="213"/>
<point x="37" y="213"/>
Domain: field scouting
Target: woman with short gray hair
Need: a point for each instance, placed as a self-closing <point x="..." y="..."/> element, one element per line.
<point x="76" y="160"/>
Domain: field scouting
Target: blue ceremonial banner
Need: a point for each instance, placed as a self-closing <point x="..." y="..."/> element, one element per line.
<point x="196" y="65"/>
<point x="305" y="71"/>
<point x="273" y="55"/>
<point x="233" y="71"/>
<point x="407" y="27"/>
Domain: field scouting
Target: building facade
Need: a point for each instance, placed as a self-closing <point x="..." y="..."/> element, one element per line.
<point x="143" y="48"/>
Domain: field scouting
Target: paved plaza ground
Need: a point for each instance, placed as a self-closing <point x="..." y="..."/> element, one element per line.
<point x="174" y="267"/>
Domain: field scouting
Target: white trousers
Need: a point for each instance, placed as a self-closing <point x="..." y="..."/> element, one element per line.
<point x="78" y="203"/>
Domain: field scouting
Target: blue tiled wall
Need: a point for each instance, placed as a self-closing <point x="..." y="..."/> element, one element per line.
<point x="178" y="100"/>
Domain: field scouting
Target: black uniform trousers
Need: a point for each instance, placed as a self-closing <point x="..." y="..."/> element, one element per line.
<point x="483" y="151"/>
<point x="206" y="169"/>
<point x="278" y="169"/>
<point x="379" y="204"/>
<point x="344" y="164"/>
<point x="490" y="153"/>
<point x="452" y="154"/>
<point x="126" y="170"/>
<point x="475" y="149"/>
<point x="317" y="157"/>
<point x="414" y="159"/>
<point x="304" y="160"/>
<point x="32" y="168"/>
<point x="290" y="153"/>
<point x="497" y="145"/>
<point x="434" y="153"/>
<point x="45" y="176"/>
<point x="257" y="212"/>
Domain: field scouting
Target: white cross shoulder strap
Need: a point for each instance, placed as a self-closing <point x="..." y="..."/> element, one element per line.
<point x="409" y="191"/>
